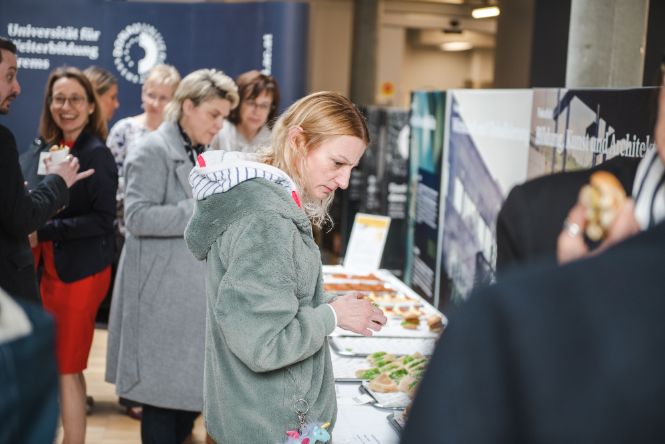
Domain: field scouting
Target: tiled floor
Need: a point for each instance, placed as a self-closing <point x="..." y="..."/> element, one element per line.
<point x="108" y="424"/>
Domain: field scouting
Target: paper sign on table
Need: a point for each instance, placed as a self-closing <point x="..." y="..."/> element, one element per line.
<point x="368" y="237"/>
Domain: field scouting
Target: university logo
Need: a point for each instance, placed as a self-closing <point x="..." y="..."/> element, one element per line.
<point x="138" y="48"/>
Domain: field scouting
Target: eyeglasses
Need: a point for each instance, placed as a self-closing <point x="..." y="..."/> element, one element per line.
<point x="74" y="101"/>
<point x="260" y="106"/>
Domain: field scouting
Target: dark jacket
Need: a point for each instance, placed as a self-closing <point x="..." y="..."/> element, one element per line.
<point x="82" y="233"/>
<point x="554" y="355"/>
<point x="21" y="213"/>
<point x="532" y="216"/>
<point x="29" y="382"/>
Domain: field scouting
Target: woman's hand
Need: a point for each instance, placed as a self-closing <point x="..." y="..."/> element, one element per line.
<point x="357" y="314"/>
<point x="571" y="245"/>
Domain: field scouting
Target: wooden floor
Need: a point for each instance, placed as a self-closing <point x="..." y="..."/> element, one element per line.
<point x="108" y="423"/>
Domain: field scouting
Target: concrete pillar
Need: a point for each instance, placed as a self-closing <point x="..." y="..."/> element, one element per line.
<point x="606" y="43"/>
<point x="515" y="28"/>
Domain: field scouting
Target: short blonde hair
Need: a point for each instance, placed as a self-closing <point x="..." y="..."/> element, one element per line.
<point x="200" y="86"/>
<point x="162" y="75"/>
<point x="321" y="116"/>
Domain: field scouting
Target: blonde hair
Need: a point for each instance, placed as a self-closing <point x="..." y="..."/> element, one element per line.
<point x="200" y="86"/>
<point x="162" y="75"/>
<point x="320" y="116"/>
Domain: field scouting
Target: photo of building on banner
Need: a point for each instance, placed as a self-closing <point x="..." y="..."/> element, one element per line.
<point x="486" y="149"/>
<point x="574" y="129"/>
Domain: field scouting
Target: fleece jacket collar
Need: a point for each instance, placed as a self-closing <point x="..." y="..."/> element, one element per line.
<point x="224" y="197"/>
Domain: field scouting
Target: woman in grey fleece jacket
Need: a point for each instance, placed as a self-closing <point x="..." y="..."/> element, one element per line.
<point x="267" y="315"/>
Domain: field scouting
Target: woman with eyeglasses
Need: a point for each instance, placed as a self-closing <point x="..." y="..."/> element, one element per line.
<point x="157" y="323"/>
<point x="76" y="247"/>
<point x="248" y="127"/>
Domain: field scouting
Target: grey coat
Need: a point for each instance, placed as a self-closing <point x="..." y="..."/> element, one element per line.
<point x="157" y="322"/>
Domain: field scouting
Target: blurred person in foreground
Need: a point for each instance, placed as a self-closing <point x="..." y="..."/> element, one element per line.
<point x="106" y="88"/>
<point x="247" y="128"/>
<point x="76" y="246"/>
<point x="267" y="361"/>
<point x="21" y="211"/>
<point x="28" y="373"/>
<point x="569" y="354"/>
<point x="157" y="322"/>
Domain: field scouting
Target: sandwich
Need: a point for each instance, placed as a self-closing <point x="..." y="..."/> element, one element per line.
<point x="434" y="322"/>
<point x="411" y="320"/>
<point x="383" y="384"/>
<point x="602" y="199"/>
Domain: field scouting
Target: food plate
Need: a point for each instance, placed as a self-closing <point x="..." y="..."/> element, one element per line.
<point x="391" y="401"/>
<point x="361" y="346"/>
<point x="344" y="368"/>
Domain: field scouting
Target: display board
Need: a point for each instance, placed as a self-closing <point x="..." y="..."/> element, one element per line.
<point x="129" y="38"/>
<point x="495" y="139"/>
<point x="425" y="170"/>
<point x="486" y="150"/>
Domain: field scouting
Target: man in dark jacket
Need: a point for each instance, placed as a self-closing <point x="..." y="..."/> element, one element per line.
<point x="569" y="354"/>
<point x="22" y="212"/>
<point x="532" y="215"/>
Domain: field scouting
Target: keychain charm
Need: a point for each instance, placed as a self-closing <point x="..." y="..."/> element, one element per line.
<point x="301" y="407"/>
<point x="306" y="433"/>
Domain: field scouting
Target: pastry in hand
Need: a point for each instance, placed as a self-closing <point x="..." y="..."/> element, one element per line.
<point x="602" y="199"/>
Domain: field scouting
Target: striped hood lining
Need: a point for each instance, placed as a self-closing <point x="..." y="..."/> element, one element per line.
<point x="219" y="171"/>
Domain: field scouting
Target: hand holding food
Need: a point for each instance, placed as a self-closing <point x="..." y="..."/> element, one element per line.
<point x="603" y="213"/>
<point x="602" y="198"/>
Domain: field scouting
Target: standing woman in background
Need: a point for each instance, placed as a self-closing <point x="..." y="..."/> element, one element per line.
<point x="76" y="246"/>
<point x="157" y="324"/>
<point x="106" y="87"/>
<point x="157" y="90"/>
<point x="248" y="126"/>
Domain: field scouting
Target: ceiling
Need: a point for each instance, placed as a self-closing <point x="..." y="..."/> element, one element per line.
<point x="430" y="23"/>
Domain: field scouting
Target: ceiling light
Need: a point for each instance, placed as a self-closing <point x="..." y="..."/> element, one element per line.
<point x="485" y="12"/>
<point x="456" y="46"/>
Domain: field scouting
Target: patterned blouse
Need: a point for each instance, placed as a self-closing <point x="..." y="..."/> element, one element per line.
<point x="124" y="132"/>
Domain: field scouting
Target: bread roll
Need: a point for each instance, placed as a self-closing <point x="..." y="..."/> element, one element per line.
<point x="434" y="322"/>
<point x="602" y="198"/>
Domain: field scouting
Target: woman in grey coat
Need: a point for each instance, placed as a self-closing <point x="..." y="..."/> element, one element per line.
<point x="156" y="328"/>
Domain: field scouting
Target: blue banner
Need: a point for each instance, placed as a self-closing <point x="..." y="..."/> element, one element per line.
<point x="129" y="38"/>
